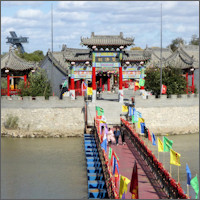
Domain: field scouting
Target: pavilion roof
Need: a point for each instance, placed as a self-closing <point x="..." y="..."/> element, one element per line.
<point x="107" y="40"/>
<point x="13" y="62"/>
<point x="184" y="57"/>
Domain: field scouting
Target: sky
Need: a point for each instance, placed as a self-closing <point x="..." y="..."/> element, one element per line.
<point x="75" y="19"/>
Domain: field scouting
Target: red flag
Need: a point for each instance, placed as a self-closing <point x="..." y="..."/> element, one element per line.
<point x="149" y="136"/>
<point x="164" y="89"/>
<point x="134" y="183"/>
<point x="136" y="86"/>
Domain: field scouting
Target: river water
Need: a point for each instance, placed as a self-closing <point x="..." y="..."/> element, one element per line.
<point x="55" y="168"/>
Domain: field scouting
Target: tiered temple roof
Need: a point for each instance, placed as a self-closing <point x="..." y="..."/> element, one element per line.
<point x="184" y="57"/>
<point x="13" y="62"/>
<point x="103" y="41"/>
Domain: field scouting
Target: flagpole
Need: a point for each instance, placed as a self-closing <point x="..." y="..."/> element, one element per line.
<point x="170" y="170"/>
<point x="178" y="174"/>
<point x="161" y="55"/>
<point x="188" y="190"/>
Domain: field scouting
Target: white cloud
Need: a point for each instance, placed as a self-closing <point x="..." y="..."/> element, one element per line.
<point x="30" y="14"/>
<point x="73" y="19"/>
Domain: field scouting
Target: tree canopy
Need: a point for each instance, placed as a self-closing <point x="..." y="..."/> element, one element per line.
<point x="194" y="40"/>
<point x="36" y="56"/>
<point x="38" y="84"/>
<point x="136" y="48"/>
<point x="174" y="44"/>
<point x="171" y="77"/>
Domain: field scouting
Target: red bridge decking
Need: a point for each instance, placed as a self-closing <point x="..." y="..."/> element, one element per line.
<point x="147" y="185"/>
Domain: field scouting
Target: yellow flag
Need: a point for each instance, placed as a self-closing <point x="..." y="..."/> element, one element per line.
<point x="140" y="120"/>
<point x="175" y="158"/>
<point x="160" y="145"/>
<point x="123" y="185"/>
<point x="89" y="90"/>
<point x="124" y="108"/>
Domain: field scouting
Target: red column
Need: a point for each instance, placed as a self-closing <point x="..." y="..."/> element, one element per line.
<point x="8" y="85"/>
<point x="72" y="83"/>
<point x="93" y="78"/>
<point x="193" y="82"/>
<point x="101" y="82"/>
<point x="108" y="83"/>
<point x="25" y="78"/>
<point x="103" y="87"/>
<point x="120" y="78"/>
<point x="187" y="83"/>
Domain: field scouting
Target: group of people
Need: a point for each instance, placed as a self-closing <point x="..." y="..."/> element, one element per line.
<point x="114" y="137"/>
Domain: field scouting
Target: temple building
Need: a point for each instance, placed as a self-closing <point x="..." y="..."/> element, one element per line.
<point x="104" y="63"/>
<point x="14" y="68"/>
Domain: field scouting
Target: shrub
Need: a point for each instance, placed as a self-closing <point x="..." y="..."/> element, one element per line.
<point x="11" y="122"/>
<point x="37" y="85"/>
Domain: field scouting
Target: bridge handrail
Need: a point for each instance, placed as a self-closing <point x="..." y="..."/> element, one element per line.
<point x="170" y="185"/>
<point x="110" y="183"/>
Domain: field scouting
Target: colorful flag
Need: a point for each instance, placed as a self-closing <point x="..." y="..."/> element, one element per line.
<point x="131" y="111"/>
<point x="123" y="185"/>
<point x="149" y="136"/>
<point x="136" y="86"/>
<point x="135" y="116"/>
<point x="174" y="158"/>
<point x="153" y="139"/>
<point x="103" y="119"/>
<point x="140" y="120"/>
<point x="142" y="125"/>
<point x="133" y="119"/>
<point x="110" y="153"/>
<point x="141" y="82"/>
<point x="160" y="145"/>
<point x="116" y="170"/>
<point x="104" y="142"/>
<point x="188" y="174"/>
<point x="65" y="84"/>
<point x="167" y="144"/>
<point x="139" y="114"/>
<point x="89" y="90"/>
<point x="100" y="111"/>
<point x="164" y="89"/>
<point x="84" y="86"/>
<point x="195" y="184"/>
<point x="124" y="108"/>
<point x="134" y="183"/>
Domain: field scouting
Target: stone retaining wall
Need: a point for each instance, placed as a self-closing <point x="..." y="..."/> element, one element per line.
<point x="44" y="118"/>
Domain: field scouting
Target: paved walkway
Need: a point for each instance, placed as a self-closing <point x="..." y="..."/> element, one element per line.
<point x="148" y="186"/>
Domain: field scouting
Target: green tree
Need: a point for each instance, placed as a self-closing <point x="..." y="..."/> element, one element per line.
<point x="136" y="48"/>
<point x="174" y="44"/>
<point x="38" y="85"/>
<point x="36" y="56"/>
<point x="171" y="77"/>
<point x="194" y="40"/>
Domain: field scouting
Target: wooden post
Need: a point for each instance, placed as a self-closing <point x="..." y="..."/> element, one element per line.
<point x="8" y="85"/>
<point x="25" y="78"/>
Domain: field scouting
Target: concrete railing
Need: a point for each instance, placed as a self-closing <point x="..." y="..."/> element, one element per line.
<point x="40" y="102"/>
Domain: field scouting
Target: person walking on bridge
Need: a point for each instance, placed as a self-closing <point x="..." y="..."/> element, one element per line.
<point x="123" y="134"/>
<point x="117" y="134"/>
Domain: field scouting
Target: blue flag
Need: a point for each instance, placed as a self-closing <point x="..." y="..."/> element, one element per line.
<point x="139" y="114"/>
<point x="188" y="174"/>
<point x="142" y="125"/>
<point x="135" y="116"/>
<point x="131" y="111"/>
<point x="153" y="139"/>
